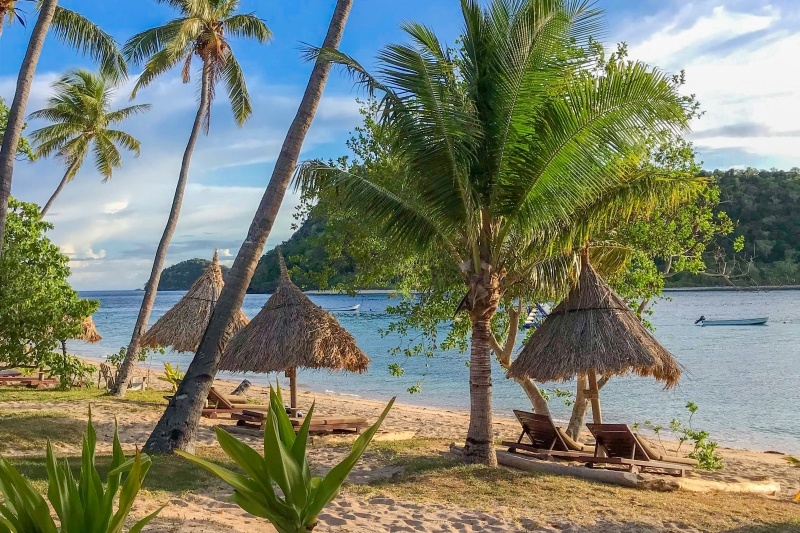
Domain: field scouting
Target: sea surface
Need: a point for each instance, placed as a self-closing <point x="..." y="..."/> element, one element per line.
<point x="745" y="380"/>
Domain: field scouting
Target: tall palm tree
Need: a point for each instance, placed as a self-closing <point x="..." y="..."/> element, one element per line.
<point x="177" y="427"/>
<point x="81" y="116"/>
<point x="500" y="146"/>
<point x="201" y="30"/>
<point x="75" y="30"/>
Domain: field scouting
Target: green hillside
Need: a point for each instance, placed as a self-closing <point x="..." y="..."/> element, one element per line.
<point x="180" y="276"/>
<point x="765" y="204"/>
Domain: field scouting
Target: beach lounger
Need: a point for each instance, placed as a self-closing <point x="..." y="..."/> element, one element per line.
<point x="319" y="424"/>
<point x="623" y="447"/>
<point x="219" y="404"/>
<point x="546" y="438"/>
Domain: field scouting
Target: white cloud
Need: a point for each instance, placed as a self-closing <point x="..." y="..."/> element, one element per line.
<point x="743" y="69"/>
<point x="111" y="230"/>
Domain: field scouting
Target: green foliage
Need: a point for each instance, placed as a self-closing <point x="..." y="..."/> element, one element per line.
<point x="180" y="276"/>
<point x="173" y="376"/>
<point x="704" y="451"/>
<point x="40" y="309"/>
<point x="117" y="358"/>
<point x="24" y="150"/>
<point x="202" y="29"/>
<point x="83" y="505"/>
<point x="70" y="370"/>
<point x="567" y="396"/>
<point x="284" y="464"/>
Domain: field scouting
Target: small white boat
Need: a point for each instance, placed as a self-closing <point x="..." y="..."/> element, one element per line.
<point x="536" y="316"/>
<point x="733" y="322"/>
<point x="343" y="309"/>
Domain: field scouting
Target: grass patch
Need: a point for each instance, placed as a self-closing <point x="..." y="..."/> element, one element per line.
<point x="23" y="394"/>
<point x="31" y="430"/>
<point x="169" y="474"/>
<point x="432" y="476"/>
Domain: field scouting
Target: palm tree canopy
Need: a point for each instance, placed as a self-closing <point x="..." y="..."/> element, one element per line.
<point x="203" y="29"/>
<point x="81" y="121"/>
<point x="509" y="140"/>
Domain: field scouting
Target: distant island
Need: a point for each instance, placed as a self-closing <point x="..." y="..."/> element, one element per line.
<point x="765" y="204"/>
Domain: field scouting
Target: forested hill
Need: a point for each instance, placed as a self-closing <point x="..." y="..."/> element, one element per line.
<point x="765" y="204"/>
<point x="180" y="276"/>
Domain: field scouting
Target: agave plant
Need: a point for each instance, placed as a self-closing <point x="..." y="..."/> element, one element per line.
<point x="83" y="505"/>
<point x="284" y="464"/>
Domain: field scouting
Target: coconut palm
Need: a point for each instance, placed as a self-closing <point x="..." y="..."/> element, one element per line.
<point x="9" y="12"/>
<point x="81" y="116"/>
<point x="501" y="146"/>
<point x="177" y="427"/>
<point x="202" y="30"/>
<point x="74" y="30"/>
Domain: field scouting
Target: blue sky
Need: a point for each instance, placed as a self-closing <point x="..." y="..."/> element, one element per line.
<point x="740" y="58"/>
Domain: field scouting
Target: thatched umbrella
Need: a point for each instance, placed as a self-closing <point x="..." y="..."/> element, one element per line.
<point x="182" y="327"/>
<point x="291" y="332"/>
<point x="89" y="331"/>
<point x="593" y="332"/>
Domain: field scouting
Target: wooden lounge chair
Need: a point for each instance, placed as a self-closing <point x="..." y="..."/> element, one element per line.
<point x="219" y="404"/>
<point x="546" y="439"/>
<point x="319" y="424"/>
<point x="623" y="447"/>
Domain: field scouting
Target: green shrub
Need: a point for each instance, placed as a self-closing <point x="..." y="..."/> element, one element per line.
<point x="284" y="464"/>
<point x="173" y="376"/>
<point x="83" y="505"/>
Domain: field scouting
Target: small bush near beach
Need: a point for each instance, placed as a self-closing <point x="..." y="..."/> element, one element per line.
<point x="85" y="505"/>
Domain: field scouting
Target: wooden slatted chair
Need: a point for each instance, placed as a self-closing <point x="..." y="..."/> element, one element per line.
<point x="623" y="447"/>
<point x="546" y="439"/>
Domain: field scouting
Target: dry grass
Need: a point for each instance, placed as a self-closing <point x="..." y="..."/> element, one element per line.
<point x="25" y="431"/>
<point x="430" y="475"/>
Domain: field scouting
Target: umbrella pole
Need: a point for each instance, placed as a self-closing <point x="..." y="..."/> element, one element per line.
<point x="293" y="389"/>
<point x="594" y="395"/>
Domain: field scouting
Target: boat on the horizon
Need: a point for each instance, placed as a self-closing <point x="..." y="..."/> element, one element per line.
<point x="703" y="321"/>
<point x="343" y="309"/>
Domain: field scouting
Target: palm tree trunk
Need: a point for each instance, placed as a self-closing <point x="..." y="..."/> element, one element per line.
<point x="178" y="425"/>
<point x="151" y="288"/>
<point x="73" y="168"/>
<point x="479" y="447"/>
<point x="16" y="114"/>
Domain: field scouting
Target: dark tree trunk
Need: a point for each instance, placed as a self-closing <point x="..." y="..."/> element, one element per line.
<point x="68" y="175"/>
<point x="479" y="447"/>
<point x="16" y="114"/>
<point x="151" y="288"/>
<point x="178" y="425"/>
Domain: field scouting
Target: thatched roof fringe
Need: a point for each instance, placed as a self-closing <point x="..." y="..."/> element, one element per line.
<point x="291" y="332"/>
<point x="593" y="328"/>
<point x="89" y="332"/>
<point x="183" y="326"/>
<point x="282" y="266"/>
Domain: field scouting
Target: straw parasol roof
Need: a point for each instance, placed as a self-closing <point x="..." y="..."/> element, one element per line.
<point x="292" y="332"/>
<point x="182" y="327"/>
<point x="594" y="330"/>
<point x="89" y="332"/>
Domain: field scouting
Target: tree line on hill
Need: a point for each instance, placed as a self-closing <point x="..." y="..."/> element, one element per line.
<point x="764" y="205"/>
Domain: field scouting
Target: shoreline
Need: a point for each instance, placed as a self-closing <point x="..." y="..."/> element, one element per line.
<point x="305" y="392"/>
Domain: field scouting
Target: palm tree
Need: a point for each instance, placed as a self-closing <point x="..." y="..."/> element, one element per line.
<point x="201" y="30"/>
<point x="9" y="13"/>
<point x="177" y="427"/>
<point x="81" y="116"/>
<point x="501" y="146"/>
<point x="80" y="33"/>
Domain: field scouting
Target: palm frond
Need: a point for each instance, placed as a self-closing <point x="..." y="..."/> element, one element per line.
<point x="86" y="37"/>
<point x="127" y="112"/>
<point x="106" y="156"/>
<point x="159" y="63"/>
<point x="126" y="140"/>
<point x="144" y="44"/>
<point x="237" y="90"/>
<point x="399" y="218"/>
<point x="249" y="26"/>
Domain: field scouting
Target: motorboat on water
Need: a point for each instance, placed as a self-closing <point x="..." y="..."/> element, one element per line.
<point x="343" y="309"/>
<point x="703" y="321"/>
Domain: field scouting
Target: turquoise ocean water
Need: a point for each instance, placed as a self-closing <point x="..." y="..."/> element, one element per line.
<point x="746" y="380"/>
